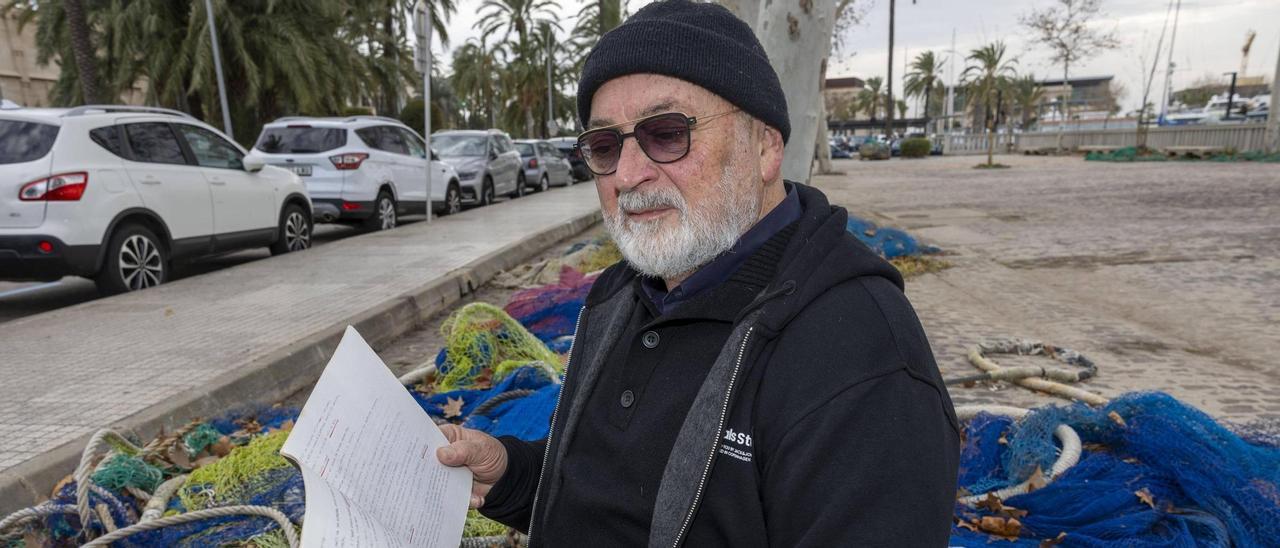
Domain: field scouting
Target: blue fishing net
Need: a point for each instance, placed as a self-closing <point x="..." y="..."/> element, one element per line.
<point x="1155" y="472"/>
<point x="887" y="242"/>
<point x="279" y="488"/>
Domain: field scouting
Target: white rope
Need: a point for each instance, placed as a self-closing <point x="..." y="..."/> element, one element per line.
<point x="290" y="534"/>
<point x="84" y="471"/>
<point x="418" y="375"/>
<point x="1042" y="385"/>
<point x="1068" y="456"/>
<point x="35" y="512"/>
<point x="160" y="499"/>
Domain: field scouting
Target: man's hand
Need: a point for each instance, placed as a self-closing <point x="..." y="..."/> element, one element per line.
<point x="481" y="453"/>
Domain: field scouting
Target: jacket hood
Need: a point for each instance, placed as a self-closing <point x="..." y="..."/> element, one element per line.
<point x="821" y="254"/>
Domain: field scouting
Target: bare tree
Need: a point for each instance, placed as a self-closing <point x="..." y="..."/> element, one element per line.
<point x="1065" y="30"/>
<point x="848" y="14"/>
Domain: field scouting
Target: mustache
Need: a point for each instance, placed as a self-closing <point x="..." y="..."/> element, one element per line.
<point x="635" y="201"/>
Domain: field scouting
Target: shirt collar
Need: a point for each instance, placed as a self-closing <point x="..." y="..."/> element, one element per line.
<point x="722" y="268"/>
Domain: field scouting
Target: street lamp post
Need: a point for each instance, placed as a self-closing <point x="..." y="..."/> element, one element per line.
<point x="1231" y="96"/>
<point x="217" y="68"/>
<point x="422" y="19"/>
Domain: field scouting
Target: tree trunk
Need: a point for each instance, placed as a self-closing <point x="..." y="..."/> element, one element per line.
<point x="82" y="49"/>
<point x="888" y="81"/>
<point x="928" y="91"/>
<point x="792" y="31"/>
<point x="1065" y="113"/>
<point x="822" y="149"/>
<point x="991" y="138"/>
<point x="1273" y="120"/>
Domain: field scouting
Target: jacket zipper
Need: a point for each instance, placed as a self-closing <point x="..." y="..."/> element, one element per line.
<point x="724" y="412"/>
<point x="546" y="452"/>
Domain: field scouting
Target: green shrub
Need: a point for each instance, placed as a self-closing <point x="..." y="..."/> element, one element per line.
<point x="874" y="150"/>
<point x="917" y="147"/>
<point x="356" y="111"/>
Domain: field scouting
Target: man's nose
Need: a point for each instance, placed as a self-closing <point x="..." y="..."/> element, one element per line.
<point x="634" y="167"/>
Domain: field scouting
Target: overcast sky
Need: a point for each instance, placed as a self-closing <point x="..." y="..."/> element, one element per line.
<point x="1210" y="35"/>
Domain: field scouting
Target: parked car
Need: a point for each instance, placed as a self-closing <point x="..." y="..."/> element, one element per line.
<point x="364" y="170"/>
<point x="117" y="194"/>
<point x="544" y="164"/>
<point x="838" y="153"/>
<point x="486" y="161"/>
<point x="567" y="145"/>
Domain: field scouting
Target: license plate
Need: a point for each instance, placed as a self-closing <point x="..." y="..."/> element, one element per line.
<point x="301" y="171"/>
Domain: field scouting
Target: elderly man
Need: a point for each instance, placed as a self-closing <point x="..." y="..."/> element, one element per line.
<point x="751" y="374"/>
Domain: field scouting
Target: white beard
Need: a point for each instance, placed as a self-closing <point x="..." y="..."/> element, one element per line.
<point x="702" y="234"/>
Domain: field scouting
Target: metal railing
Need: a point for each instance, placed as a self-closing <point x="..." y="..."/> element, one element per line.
<point x="1241" y="138"/>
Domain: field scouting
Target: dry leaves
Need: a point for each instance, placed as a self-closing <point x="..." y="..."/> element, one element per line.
<point x="1144" y="495"/>
<point x="1116" y="418"/>
<point x="1051" y="542"/>
<point x="453" y="408"/>
<point x="1037" y="480"/>
<point x="1007" y="528"/>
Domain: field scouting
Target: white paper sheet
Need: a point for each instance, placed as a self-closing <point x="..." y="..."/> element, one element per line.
<point x="368" y="456"/>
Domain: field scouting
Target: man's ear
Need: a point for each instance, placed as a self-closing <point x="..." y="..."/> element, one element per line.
<point x="770" y="153"/>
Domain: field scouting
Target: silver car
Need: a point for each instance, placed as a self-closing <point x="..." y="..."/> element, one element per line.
<point x="486" y="161"/>
<point x="544" y="165"/>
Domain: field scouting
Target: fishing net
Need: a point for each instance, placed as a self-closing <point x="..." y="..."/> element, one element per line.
<point x="483" y="345"/>
<point x="1155" y="472"/>
<point x="889" y="243"/>
<point x="551" y="312"/>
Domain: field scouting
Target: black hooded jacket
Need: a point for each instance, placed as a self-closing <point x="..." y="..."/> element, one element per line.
<point x="822" y="422"/>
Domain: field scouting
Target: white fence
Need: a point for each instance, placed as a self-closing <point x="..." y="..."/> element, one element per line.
<point x="1238" y="137"/>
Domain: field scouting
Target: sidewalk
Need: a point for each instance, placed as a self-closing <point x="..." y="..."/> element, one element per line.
<point x="252" y="333"/>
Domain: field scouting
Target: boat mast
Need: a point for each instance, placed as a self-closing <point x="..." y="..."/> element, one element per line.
<point x="1167" y="96"/>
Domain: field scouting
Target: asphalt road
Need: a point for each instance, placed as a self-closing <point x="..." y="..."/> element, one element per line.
<point x="21" y="299"/>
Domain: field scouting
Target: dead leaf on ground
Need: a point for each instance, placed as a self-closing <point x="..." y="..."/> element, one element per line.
<point x="1037" y="480"/>
<point x="1144" y="495"/>
<point x="1051" y="542"/>
<point x="1008" y="528"/>
<point x="1116" y="418"/>
<point x="222" y="447"/>
<point x="453" y="408"/>
<point x="965" y="524"/>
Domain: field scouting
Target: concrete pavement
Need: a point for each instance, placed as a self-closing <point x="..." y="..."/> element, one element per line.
<point x="255" y="332"/>
<point x="1165" y="274"/>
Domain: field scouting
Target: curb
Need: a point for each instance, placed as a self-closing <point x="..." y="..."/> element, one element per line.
<point x="287" y="370"/>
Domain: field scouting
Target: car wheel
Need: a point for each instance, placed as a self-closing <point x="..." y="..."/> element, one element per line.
<point x="486" y="192"/>
<point x="544" y="184"/>
<point x="295" y="231"/>
<point x="519" y="186"/>
<point x="452" y="200"/>
<point x="384" y="213"/>
<point x="136" y="260"/>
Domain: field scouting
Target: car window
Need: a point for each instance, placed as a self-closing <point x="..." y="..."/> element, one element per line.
<point x="416" y="147"/>
<point x="454" y="145"/>
<point x="25" y="141"/>
<point x="301" y="139"/>
<point x="210" y="149"/>
<point x="371" y="137"/>
<point x="154" y="142"/>
<point x="108" y="137"/>
<point x="506" y="143"/>
<point x="525" y="149"/>
<point x="392" y="140"/>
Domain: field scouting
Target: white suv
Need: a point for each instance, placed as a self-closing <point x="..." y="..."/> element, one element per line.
<point x="360" y="169"/>
<point x="118" y="193"/>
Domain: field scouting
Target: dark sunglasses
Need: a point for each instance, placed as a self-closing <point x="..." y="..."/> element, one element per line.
<point x="664" y="138"/>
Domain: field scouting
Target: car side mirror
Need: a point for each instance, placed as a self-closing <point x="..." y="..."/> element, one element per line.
<point x="254" y="164"/>
<point x="493" y="154"/>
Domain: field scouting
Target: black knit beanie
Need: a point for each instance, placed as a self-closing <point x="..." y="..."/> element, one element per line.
<point x="700" y="43"/>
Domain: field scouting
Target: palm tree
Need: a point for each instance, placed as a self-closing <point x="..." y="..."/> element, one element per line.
<point x="985" y="77"/>
<point x="518" y="23"/>
<point x="1026" y="97"/>
<point x="475" y="80"/>
<point x="872" y="96"/>
<point x="902" y="108"/>
<point x="925" y="74"/>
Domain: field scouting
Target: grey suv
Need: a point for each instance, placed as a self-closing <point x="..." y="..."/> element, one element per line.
<point x="486" y="161"/>
<point x="544" y="165"/>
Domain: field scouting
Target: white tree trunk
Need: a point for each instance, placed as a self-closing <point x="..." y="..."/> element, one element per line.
<point x="1273" y="119"/>
<point x="796" y="34"/>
